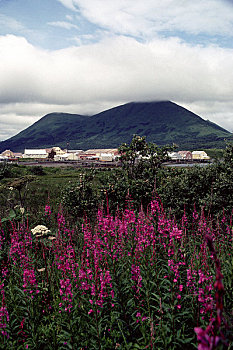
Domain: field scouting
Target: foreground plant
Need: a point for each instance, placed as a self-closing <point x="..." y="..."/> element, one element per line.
<point x="130" y="281"/>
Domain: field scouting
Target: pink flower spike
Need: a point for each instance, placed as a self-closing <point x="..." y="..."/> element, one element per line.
<point x="181" y="287"/>
<point x="90" y="311"/>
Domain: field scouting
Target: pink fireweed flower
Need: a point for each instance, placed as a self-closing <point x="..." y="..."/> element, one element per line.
<point x="47" y="210"/>
<point x="136" y="277"/>
<point x="30" y="283"/>
<point x="206" y="342"/>
<point x="4" y="316"/>
<point x="66" y="293"/>
<point x="140" y="317"/>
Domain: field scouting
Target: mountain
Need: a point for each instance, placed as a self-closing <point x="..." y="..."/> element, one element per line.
<point x="161" y="122"/>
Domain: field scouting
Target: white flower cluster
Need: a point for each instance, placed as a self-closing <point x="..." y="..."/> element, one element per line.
<point x="40" y="230"/>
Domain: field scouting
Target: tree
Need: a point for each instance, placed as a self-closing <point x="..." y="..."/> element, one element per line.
<point x="130" y="153"/>
<point x="228" y="154"/>
<point x="140" y="155"/>
<point x="52" y="154"/>
<point x="157" y="155"/>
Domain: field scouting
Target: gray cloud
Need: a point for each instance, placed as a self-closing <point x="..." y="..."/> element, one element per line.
<point x="116" y="68"/>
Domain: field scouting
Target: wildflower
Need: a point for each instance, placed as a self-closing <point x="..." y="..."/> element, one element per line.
<point x="51" y="238"/>
<point x="41" y="270"/>
<point x="22" y="210"/>
<point x="47" y="210"/>
<point x="11" y="188"/>
<point x="40" y="230"/>
<point x="206" y="342"/>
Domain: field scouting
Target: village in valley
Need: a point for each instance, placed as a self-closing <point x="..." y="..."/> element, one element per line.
<point x="57" y="154"/>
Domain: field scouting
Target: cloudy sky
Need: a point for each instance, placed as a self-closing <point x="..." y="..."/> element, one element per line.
<point x="84" y="56"/>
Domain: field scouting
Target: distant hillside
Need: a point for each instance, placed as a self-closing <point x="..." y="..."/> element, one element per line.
<point x="161" y="122"/>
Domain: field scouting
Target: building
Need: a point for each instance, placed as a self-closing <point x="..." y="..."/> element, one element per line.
<point x="174" y="156"/>
<point x="58" y="150"/>
<point x="66" y="156"/>
<point x="76" y="151"/>
<point x="200" y="155"/>
<point x="104" y="154"/>
<point x="186" y="155"/>
<point x="18" y="155"/>
<point x="7" y="153"/>
<point x="35" y="153"/>
<point x="106" y="157"/>
<point x="3" y="159"/>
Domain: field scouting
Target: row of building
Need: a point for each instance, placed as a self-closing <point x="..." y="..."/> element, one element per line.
<point x="107" y="155"/>
<point x="57" y="154"/>
<point x="188" y="155"/>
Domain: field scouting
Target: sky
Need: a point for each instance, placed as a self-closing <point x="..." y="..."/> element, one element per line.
<point x="85" y="56"/>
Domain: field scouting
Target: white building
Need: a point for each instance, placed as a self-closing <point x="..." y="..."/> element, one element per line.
<point x="35" y="153"/>
<point x="174" y="156"/>
<point x="106" y="157"/>
<point x="58" y="150"/>
<point x="3" y="159"/>
<point x="66" y="156"/>
<point x="201" y="155"/>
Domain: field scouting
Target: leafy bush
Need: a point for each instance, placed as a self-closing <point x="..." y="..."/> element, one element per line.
<point x="4" y="170"/>
<point x="37" y="170"/>
<point x="80" y="199"/>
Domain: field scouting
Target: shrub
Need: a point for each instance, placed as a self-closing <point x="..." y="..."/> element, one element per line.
<point x="37" y="170"/>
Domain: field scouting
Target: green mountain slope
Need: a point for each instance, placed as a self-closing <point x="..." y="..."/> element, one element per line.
<point x="161" y="122"/>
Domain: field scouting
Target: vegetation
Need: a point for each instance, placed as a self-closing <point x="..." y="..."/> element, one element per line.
<point x="131" y="281"/>
<point x="132" y="258"/>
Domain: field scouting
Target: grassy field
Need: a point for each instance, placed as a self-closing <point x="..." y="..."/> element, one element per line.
<point x="47" y="184"/>
<point x="114" y="278"/>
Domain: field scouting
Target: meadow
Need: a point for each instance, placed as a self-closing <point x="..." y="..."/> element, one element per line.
<point x="97" y="260"/>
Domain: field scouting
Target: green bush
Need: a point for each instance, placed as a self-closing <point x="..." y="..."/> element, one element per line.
<point x="37" y="170"/>
<point x="80" y="199"/>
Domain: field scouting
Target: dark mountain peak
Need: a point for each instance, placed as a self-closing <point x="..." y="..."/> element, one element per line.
<point x="162" y="122"/>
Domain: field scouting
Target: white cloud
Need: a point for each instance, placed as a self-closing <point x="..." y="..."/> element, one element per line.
<point x="69" y="4"/>
<point x="69" y="18"/>
<point x="63" y="24"/>
<point x="117" y="70"/>
<point x="10" y="23"/>
<point x="220" y="113"/>
<point x="145" y="18"/>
